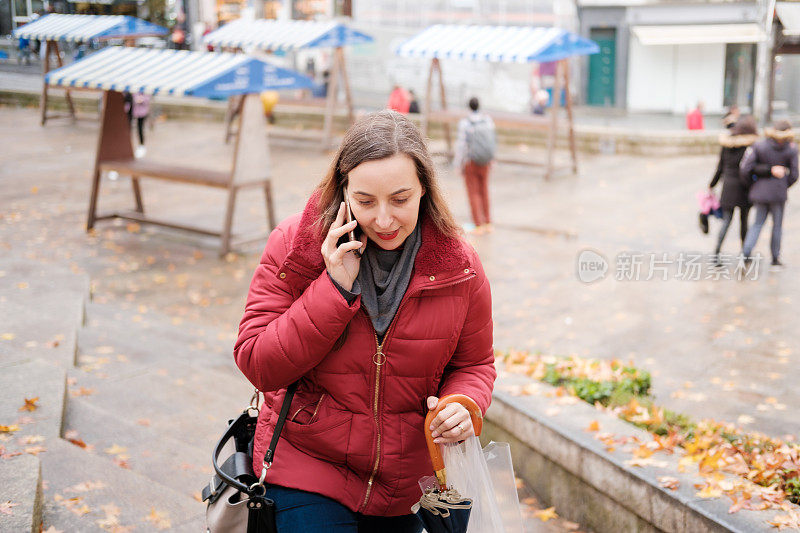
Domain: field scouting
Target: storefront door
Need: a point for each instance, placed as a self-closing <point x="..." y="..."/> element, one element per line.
<point x="602" y="67"/>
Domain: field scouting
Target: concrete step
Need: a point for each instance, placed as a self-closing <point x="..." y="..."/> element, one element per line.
<point x="151" y="324"/>
<point x="164" y="459"/>
<point x="87" y="493"/>
<point x="37" y="380"/>
<point x="108" y="347"/>
<point x="178" y="400"/>
<point x="41" y="307"/>
<point x="22" y="486"/>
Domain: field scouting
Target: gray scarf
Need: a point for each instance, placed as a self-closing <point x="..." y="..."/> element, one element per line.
<point x="383" y="279"/>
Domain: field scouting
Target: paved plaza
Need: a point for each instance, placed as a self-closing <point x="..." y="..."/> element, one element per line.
<point x="717" y="348"/>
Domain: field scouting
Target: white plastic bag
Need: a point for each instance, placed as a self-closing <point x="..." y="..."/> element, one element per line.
<point x="487" y="477"/>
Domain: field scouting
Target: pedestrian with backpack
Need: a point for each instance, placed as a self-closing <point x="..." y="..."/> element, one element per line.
<point x="475" y="150"/>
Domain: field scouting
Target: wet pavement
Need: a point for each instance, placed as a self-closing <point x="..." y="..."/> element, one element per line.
<point x="717" y="348"/>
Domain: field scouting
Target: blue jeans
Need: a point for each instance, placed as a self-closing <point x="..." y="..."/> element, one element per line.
<point x="776" y="210"/>
<point x="306" y="512"/>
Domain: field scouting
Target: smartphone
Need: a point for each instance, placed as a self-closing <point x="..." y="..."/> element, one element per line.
<point x="349" y="218"/>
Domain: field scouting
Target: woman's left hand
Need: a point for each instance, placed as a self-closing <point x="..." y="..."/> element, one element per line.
<point x="452" y="424"/>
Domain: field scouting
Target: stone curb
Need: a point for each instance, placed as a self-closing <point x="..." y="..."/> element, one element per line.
<point x="568" y="468"/>
<point x="22" y="480"/>
<point x="306" y="118"/>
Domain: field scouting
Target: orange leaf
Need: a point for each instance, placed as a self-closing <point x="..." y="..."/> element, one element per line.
<point x="594" y="425"/>
<point x="30" y="404"/>
<point x="158" y="519"/>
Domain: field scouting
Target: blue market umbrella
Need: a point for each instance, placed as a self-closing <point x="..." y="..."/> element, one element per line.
<point x="442" y="509"/>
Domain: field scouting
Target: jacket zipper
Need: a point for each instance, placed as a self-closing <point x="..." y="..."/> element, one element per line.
<point x="379" y="359"/>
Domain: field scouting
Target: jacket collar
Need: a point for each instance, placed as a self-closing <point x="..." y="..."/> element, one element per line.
<point x="737" y="141"/>
<point x="779" y="136"/>
<point x="437" y="253"/>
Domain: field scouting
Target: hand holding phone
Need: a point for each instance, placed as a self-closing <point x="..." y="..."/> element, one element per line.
<point x="349" y="218"/>
<point x="342" y="265"/>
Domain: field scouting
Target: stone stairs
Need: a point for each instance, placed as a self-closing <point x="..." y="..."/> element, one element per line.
<point x="129" y="407"/>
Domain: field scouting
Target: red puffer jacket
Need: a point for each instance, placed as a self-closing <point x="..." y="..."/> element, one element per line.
<point x="355" y="427"/>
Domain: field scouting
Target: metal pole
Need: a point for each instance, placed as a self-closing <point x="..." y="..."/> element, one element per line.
<point x="763" y="58"/>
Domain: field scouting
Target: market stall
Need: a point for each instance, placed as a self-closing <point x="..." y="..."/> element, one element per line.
<point x="180" y="73"/>
<point x="55" y="28"/>
<point x="287" y="35"/>
<point x="500" y="44"/>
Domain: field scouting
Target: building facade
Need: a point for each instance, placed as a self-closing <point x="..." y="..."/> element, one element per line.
<point x="668" y="56"/>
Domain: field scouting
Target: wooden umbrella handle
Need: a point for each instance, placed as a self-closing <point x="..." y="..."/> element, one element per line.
<point x="474" y="413"/>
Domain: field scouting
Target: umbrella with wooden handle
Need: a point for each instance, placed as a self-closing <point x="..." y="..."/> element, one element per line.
<point x="443" y="509"/>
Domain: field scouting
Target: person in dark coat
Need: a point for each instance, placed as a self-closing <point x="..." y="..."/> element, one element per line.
<point x="734" y="192"/>
<point x="771" y="166"/>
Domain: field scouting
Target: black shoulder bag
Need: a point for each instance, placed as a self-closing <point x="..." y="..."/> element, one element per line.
<point x="237" y="501"/>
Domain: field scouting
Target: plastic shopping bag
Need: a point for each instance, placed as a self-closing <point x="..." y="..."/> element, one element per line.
<point x="487" y="476"/>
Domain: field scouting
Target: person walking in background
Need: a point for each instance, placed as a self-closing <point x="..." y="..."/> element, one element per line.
<point x="139" y="110"/>
<point x="694" y="118"/>
<point x="413" y="106"/>
<point x="475" y="150"/>
<point x="772" y="163"/>
<point x="734" y="192"/>
<point x="399" y="100"/>
<point x="731" y="116"/>
<point x="24" y="51"/>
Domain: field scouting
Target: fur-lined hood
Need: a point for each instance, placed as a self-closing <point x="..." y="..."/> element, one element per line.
<point x="727" y="140"/>
<point x="781" y="136"/>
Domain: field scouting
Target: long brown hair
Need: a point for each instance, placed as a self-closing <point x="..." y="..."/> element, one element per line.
<point x="378" y="136"/>
<point x="745" y="126"/>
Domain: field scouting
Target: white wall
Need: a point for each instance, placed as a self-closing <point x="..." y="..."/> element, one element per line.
<point x="673" y="78"/>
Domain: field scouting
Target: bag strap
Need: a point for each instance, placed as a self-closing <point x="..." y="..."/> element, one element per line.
<point x="268" y="457"/>
<point x="235" y="427"/>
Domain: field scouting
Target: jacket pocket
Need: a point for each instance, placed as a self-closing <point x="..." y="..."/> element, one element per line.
<point x="415" y="460"/>
<point x="327" y="438"/>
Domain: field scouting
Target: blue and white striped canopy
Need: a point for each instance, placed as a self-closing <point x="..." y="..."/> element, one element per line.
<point x="499" y="44"/>
<point x="175" y="72"/>
<point x="284" y="35"/>
<point x="83" y="28"/>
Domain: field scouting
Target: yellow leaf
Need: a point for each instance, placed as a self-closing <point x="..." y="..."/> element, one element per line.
<point x="9" y="429"/>
<point x="709" y="491"/>
<point x="546" y="514"/>
<point x="8" y="336"/>
<point x="115" y="449"/>
<point x="594" y="425"/>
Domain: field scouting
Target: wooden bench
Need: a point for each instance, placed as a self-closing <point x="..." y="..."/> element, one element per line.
<point x="250" y="169"/>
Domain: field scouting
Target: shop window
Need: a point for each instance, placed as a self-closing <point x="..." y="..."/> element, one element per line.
<point x="740" y="67"/>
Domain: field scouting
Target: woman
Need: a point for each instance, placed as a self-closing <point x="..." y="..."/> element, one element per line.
<point x="375" y="339"/>
<point x="734" y="192"/>
<point x="772" y="164"/>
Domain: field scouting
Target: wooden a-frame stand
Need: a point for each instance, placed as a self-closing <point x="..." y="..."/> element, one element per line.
<point x="249" y="169"/>
<point x="523" y="121"/>
<point x="338" y="74"/>
<point x="51" y="48"/>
